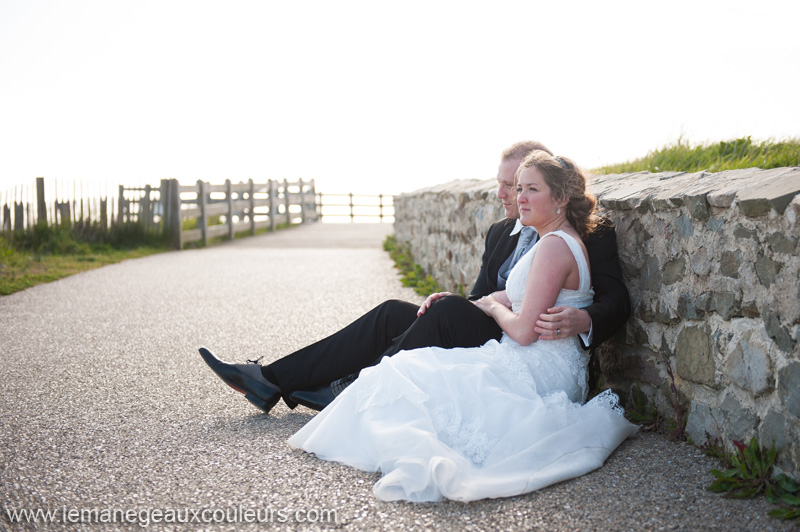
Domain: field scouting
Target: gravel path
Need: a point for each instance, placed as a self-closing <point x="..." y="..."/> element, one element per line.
<point x="105" y="405"/>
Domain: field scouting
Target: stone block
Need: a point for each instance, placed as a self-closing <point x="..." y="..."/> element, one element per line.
<point x="714" y="224"/>
<point x="772" y="193"/>
<point x="698" y="206"/>
<point x="726" y="304"/>
<point x="766" y="270"/>
<point x="775" y="428"/>
<point x="779" y="334"/>
<point x="644" y="311"/>
<point x="750" y="309"/>
<point x="785" y="293"/>
<point x="640" y="336"/>
<point x="664" y="314"/>
<point x="780" y="243"/>
<point x="650" y="275"/>
<point x="789" y="388"/>
<point x="674" y="271"/>
<point x="729" y="263"/>
<point x="701" y="425"/>
<point x="743" y="232"/>
<point x="701" y="264"/>
<point x="641" y="369"/>
<point x="695" y="354"/>
<point x="739" y="421"/>
<point x="687" y="308"/>
<point x="749" y="366"/>
<point x="685" y="227"/>
<point x="723" y="199"/>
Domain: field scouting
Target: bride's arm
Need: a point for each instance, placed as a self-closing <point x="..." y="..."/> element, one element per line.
<point x="502" y="298"/>
<point x="551" y="266"/>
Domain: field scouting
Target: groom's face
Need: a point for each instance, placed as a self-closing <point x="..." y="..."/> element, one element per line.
<point x="506" y="189"/>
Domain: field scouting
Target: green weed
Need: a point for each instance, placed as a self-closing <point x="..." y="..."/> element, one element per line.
<point x="642" y="411"/>
<point x="749" y="473"/>
<point x="714" y="157"/>
<point x="412" y="274"/>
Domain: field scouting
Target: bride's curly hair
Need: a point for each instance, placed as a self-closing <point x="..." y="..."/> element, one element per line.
<point x="567" y="182"/>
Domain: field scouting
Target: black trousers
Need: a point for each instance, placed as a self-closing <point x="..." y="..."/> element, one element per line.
<point x="392" y="326"/>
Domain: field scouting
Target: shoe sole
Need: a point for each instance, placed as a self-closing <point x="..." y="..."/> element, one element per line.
<point x="255" y="400"/>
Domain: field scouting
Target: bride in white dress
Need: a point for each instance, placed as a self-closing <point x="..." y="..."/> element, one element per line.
<point x="498" y="420"/>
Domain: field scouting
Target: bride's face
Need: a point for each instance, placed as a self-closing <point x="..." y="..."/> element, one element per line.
<point x="536" y="205"/>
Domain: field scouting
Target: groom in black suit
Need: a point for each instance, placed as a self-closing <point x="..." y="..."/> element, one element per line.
<point x="315" y="374"/>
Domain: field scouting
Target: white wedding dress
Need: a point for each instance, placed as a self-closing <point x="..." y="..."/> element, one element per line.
<point x="470" y="423"/>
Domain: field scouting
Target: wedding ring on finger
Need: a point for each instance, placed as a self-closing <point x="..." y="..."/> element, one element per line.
<point x="558" y="332"/>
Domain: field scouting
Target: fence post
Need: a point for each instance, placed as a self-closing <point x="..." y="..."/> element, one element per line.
<point x="41" y="205"/>
<point x="163" y="201"/>
<point x="272" y="188"/>
<point x="252" y="207"/>
<point x="352" y="213"/>
<point x="65" y="212"/>
<point x="120" y="203"/>
<point x="286" y="201"/>
<point x="104" y="213"/>
<point x="313" y="201"/>
<point x="380" y="207"/>
<point x="19" y="217"/>
<point x="145" y="210"/>
<point x="302" y="203"/>
<point x="175" y="213"/>
<point x="229" y="194"/>
<point x="203" y="222"/>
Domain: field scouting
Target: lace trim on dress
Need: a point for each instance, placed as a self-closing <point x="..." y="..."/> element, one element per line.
<point x="522" y="382"/>
<point x="468" y="438"/>
<point x="609" y="400"/>
<point x="578" y="364"/>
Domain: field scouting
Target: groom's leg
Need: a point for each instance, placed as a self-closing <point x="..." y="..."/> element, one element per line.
<point x="452" y="321"/>
<point x="347" y="351"/>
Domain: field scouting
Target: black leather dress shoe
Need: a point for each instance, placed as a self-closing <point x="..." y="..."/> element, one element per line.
<point x="314" y="399"/>
<point x="323" y="396"/>
<point x="246" y="379"/>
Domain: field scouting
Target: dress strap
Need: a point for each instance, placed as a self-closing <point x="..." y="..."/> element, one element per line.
<point x="580" y="259"/>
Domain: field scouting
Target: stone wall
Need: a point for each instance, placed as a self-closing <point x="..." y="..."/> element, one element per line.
<point x="711" y="263"/>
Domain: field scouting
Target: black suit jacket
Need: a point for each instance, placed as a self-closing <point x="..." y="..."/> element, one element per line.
<point x="612" y="304"/>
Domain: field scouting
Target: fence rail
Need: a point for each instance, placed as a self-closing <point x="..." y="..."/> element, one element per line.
<point x="380" y="206"/>
<point x="224" y="210"/>
<point x="193" y="213"/>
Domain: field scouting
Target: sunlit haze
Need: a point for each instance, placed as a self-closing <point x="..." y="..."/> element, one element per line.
<point x="377" y="96"/>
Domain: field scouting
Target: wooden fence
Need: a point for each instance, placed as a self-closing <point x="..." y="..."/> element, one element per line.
<point x="372" y="206"/>
<point x="224" y="210"/>
<point x="200" y="212"/>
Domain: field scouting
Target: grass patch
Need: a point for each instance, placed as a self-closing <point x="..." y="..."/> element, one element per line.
<point x="714" y="157"/>
<point x="45" y="254"/>
<point x="414" y="275"/>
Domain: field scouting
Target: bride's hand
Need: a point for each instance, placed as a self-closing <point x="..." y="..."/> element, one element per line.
<point x="486" y="303"/>
<point x="431" y="299"/>
<point x="502" y="298"/>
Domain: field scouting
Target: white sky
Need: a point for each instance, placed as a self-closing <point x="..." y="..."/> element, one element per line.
<point x="378" y="96"/>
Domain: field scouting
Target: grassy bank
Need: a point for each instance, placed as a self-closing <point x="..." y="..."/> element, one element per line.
<point x="725" y="155"/>
<point x="46" y="254"/>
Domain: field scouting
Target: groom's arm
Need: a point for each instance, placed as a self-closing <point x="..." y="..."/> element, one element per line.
<point x="612" y="305"/>
<point x="497" y="248"/>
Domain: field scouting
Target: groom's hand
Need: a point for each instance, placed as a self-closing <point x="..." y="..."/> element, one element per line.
<point x="562" y="322"/>
<point x="431" y="299"/>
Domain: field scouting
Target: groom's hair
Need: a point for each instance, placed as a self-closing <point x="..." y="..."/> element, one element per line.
<point x="520" y="149"/>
